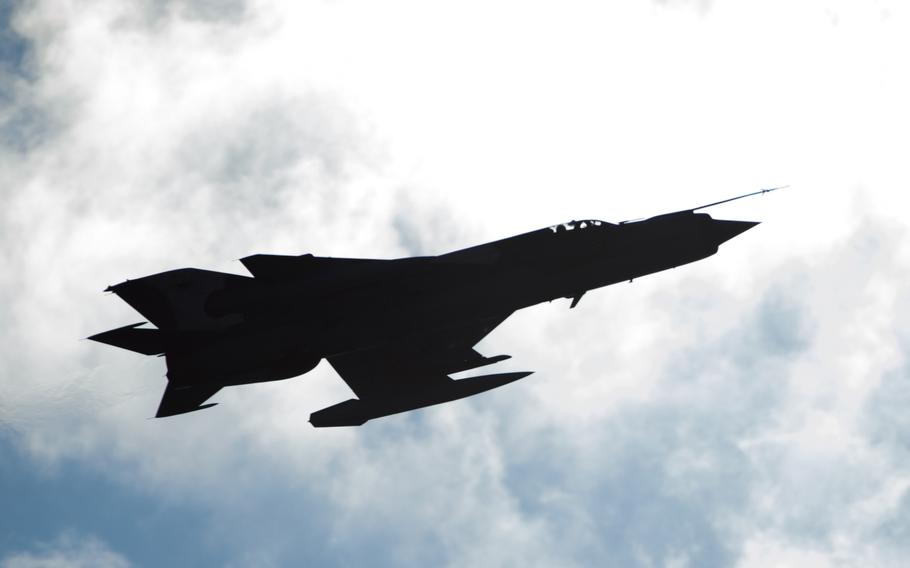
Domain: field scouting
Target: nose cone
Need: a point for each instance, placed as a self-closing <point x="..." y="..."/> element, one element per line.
<point x="723" y="231"/>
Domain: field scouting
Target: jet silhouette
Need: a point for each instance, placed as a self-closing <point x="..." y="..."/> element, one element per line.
<point x="394" y="330"/>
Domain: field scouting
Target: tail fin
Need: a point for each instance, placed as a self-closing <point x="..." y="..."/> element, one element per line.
<point x="145" y="341"/>
<point x="178" y="299"/>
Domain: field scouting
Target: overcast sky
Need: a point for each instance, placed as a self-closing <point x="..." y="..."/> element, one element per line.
<point x="747" y="410"/>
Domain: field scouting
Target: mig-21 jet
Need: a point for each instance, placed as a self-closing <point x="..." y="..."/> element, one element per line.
<point x="394" y="330"/>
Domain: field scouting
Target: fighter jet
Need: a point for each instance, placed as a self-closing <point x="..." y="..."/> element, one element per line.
<point x="394" y="330"/>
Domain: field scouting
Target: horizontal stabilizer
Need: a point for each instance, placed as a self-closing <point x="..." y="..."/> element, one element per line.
<point x="354" y="412"/>
<point x="146" y="341"/>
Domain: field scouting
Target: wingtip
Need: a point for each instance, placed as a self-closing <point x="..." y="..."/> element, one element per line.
<point x="165" y="414"/>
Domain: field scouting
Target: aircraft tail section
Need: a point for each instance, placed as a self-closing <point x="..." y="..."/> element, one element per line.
<point x="131" y="337"/>
<point x="183" y="299"/>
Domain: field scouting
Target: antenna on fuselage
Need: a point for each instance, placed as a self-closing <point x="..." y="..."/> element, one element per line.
<point x="692" y="210"/>
<point x="763" y="191"/>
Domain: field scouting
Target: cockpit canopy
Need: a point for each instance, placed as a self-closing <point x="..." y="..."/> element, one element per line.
<point x="586" y="224"/>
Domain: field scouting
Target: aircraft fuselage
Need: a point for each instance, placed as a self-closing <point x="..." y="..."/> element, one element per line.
<point x="221" y="329"/>
<point x="298" y="323"/>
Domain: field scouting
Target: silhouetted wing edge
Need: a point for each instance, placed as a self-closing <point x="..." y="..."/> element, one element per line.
<point x="183" y="399"/>
<point x="401" y="369"/>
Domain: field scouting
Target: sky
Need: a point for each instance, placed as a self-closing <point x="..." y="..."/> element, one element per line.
<point x="746" y="410"/>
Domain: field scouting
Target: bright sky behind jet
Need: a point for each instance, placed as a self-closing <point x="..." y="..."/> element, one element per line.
<point x="747" y="410"/>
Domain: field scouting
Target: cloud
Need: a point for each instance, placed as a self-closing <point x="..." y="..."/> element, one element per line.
<point x="104" y="188"/>
<point x="745" y="409"/>
<point x="68" y="551"/>
<point x="701" y="6"/>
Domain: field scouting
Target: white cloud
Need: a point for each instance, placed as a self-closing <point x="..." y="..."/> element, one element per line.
<point x="68" y="551"/>
<point x="746" y="408"/>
